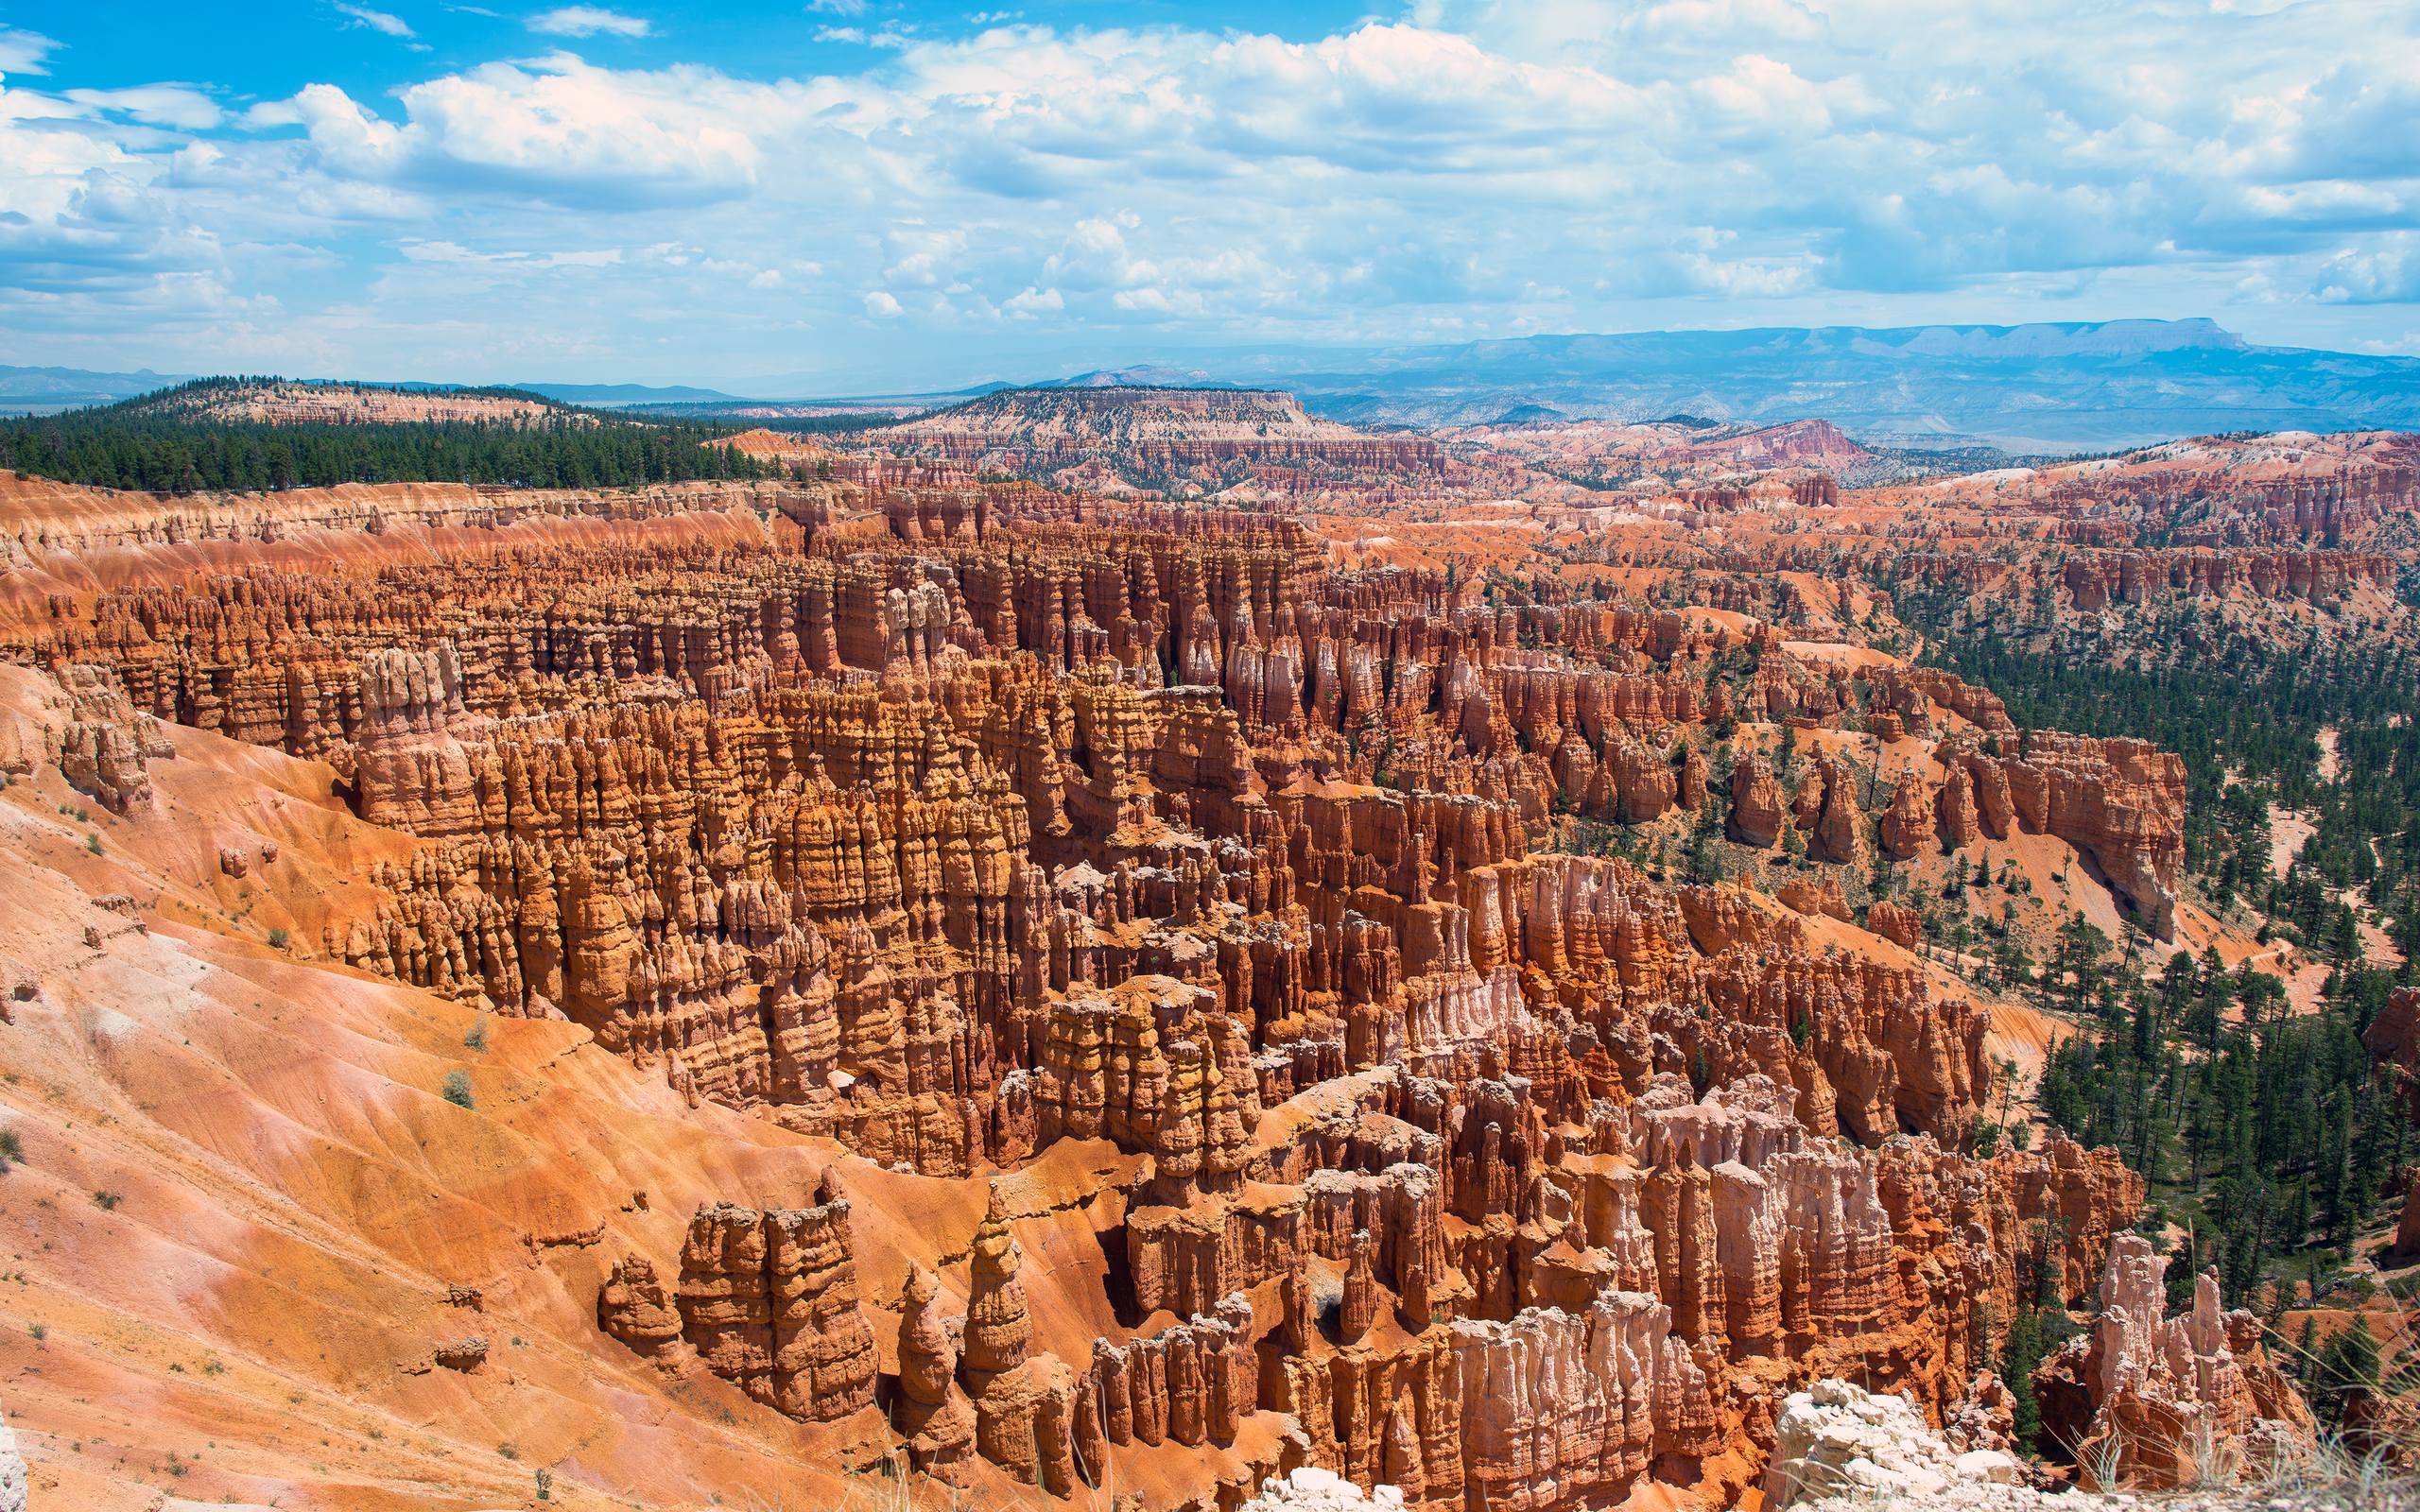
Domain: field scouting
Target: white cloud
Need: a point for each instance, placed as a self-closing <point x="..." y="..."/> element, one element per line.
<point x="1760" y="95"/>
<point x="1731" y="20"/>
<point x="587" y="21"/>
<point x="558" y="129"/>
<point x="456" y="254"/>
<point x="23" y="52"/>
<point x="169" y="105"/>
<point x="1477" y="168"/>
<point x="383" y="22"/>
<point x="837" y="8"/>
<point x="2385" y="271"/>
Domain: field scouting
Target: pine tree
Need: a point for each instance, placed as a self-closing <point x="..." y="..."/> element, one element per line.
<point x="2019" y="1354"/>
<point x="2348" y="1371"/>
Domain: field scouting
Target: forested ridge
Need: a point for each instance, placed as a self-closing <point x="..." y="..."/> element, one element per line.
<point x="2272" y="1139"/>
<point x="2248" y="720"/>
<point x="160" y="444"/>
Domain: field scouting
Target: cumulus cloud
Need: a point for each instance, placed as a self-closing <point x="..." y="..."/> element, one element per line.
<point x="2385" y="271"/>
<point x="557" y="128"/>
<point x="1761" y="97"/>
<point x="587" y="21"/>
<point x="1471" y="167"/>
<point x="91" y="235"/>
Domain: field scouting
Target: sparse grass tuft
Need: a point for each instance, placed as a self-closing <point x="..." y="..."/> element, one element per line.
<point x="2216" y="1461"/>
<point x="2338" y="1474"/>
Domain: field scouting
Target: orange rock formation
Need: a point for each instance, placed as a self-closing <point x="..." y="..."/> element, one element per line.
<point x="2157" y="1400"/>
<point x="1198" y="903"/>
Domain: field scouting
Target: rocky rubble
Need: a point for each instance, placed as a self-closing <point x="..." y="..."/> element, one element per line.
<point x="1835" y="1440"/>
<point x="2322" y="1496"/>
<point x="1308" y="1489"/>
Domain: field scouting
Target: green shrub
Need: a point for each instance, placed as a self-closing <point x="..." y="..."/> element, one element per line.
<point x="458" y="1089"/>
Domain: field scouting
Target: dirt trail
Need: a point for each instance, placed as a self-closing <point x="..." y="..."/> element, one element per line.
<point x="2290" y="830"/>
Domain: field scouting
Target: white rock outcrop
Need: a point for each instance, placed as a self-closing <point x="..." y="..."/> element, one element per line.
<point x="1312" y="1489"/>
<point x="12" y="1470"/>
<point x="1835" y="1440"/>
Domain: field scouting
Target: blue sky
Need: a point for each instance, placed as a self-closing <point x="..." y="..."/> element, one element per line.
<point x="852" y="194"/>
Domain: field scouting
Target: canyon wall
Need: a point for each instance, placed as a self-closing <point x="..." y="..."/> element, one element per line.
<point x="995" y="826"/>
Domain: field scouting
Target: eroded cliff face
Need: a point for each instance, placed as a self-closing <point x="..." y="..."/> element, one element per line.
<point x="2162" y="1402"/>
<point x="884" y="839"/>
<point x="1032" y="837"/>
<point x="765" y="1300"/>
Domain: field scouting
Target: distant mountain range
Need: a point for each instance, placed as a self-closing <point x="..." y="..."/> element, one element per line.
<point x="2081" y="387"/>
<point x="613" y="396"/>
<point x="2024" y="388"/>
<point x="47" y="390"/>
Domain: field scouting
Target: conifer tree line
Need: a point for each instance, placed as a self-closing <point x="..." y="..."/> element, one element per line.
<point x="2247" y="716"/>
<point x="2272" y="1139"/>
<point x="158" y="444"/>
